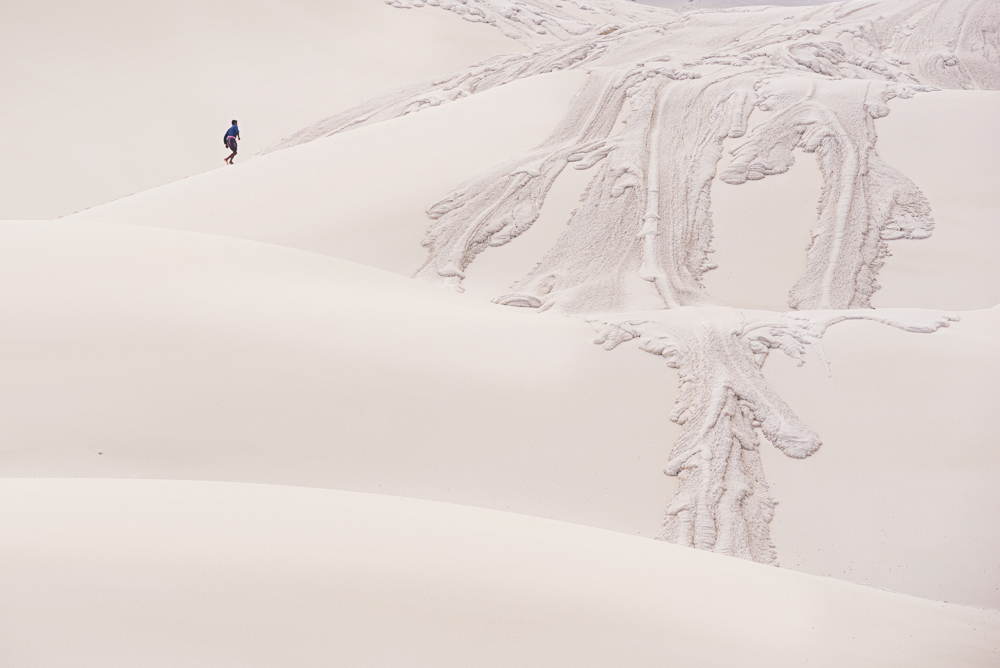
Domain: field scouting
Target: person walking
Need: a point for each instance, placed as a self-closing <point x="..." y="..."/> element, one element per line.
<point x="232" y="134"/>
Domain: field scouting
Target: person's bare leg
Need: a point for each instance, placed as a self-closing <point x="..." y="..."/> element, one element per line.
<point x="229" y="160"/>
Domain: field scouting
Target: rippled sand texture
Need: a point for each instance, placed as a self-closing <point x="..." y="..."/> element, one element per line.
<point x="666" y="91"/>
<point x="821" y="75"/>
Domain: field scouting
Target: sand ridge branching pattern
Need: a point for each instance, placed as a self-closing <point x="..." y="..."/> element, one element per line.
<point x="723" y="503"/>
<point x="686" y="82"/>
<point x="780" y="80"/>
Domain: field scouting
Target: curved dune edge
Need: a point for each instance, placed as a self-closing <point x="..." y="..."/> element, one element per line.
<point x="130" y="572"/>
<point x="145" y="86"/>
<point x="120" y="351"/>
<point x="192" y="356"/>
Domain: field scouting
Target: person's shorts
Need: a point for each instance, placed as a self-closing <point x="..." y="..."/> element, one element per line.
<point x="231" y="143"/>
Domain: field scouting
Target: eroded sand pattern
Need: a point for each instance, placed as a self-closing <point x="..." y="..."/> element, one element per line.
<point x="237" y="432"/>
<point x="723" y="503"/>
<point x="665" y="91"/>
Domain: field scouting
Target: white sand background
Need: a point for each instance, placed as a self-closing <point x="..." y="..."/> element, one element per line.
<point x="256" y="324"/>
<point x="214" y="574"/>
<point x="360" y="196"/>
<point x="924" y="449"/>
<point x="103" y="99"/>
<point x="140" y="352"/>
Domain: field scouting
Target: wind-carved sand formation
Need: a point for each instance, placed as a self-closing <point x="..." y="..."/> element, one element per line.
<point x="723" y="503"/>
<point x="665" y="92"/>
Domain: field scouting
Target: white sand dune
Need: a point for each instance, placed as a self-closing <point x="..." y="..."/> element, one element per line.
<point x="213" y="574"/>
<point x="259" y="324"/>
<point x="181" y="355"/>
<point x="103" y="99"/>
<point x="883" y="458"/>
<point x="943" y="142"/>
<point x="292" y="197"/>
<point x="360" y="196"/>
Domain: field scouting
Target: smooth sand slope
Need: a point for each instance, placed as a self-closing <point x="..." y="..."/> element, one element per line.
<point x="259" y="324"/>
<point x="163" y="573"/>
<point x="103" y="99"/>
<point x="181" y="355"/>
<point x="762" y="227"/>
<point x="361" y="196"/>
<point x="141" y="352"/>
<point x="896" y="452"/>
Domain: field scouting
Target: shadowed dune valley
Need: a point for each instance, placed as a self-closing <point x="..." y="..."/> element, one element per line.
<point x="500" y="334"/>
